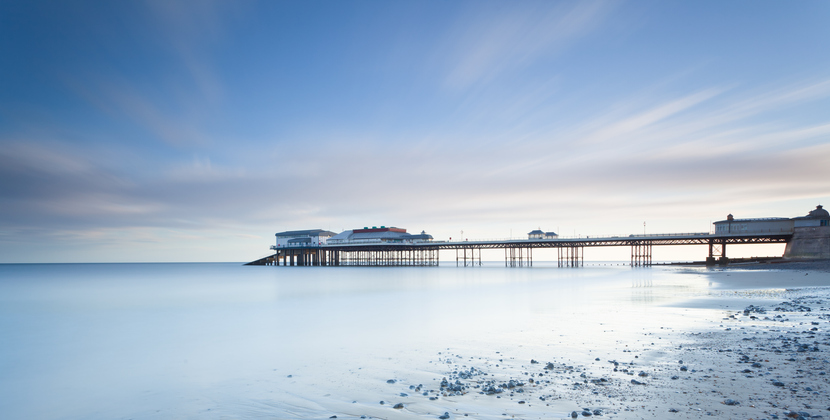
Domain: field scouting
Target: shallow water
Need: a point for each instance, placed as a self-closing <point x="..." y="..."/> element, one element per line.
<point x="219" y="340"/>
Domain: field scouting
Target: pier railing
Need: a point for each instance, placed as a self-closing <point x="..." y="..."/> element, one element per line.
<point x="559" y="238"/>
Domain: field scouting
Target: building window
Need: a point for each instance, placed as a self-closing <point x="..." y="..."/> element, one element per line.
<point x="824" y="222"/>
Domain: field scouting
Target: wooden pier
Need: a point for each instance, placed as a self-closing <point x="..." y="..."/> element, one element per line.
<point x="517" y="252"/>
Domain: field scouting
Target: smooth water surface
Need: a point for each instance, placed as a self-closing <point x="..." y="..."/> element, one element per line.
<point x="212" y="340"/>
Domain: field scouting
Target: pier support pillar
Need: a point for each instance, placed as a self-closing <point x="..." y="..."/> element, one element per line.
<point x="518" y="257"/>
<point x="469" y="256"/>
<point x="717" y="252"/>
<point x="641" y="254"/>
<point x="571" y="256"/>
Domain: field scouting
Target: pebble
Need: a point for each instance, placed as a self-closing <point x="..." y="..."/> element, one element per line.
<point x="592" y="382"/>
<point x="398" y="406"/>
<point x="444" y="416"/>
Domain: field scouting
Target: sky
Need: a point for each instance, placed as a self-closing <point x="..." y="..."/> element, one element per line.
<point x="136" y="131"/>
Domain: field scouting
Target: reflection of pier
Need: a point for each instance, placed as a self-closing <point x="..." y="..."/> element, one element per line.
<point x="517" y="252"/>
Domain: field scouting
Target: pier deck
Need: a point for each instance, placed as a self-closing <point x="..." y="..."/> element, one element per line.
<point x="517" y="252"/>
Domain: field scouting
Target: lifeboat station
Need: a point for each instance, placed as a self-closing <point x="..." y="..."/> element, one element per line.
<point x="806" y="238"/>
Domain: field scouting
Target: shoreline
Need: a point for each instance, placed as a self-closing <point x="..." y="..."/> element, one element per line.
<point x="763" y="356"/>
<point x="763" y="263"/>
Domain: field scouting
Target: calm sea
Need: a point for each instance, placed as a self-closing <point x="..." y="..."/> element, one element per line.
<point x="140" y="341"/>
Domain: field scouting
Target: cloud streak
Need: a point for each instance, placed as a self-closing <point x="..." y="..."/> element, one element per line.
<point x="488" y="47"/>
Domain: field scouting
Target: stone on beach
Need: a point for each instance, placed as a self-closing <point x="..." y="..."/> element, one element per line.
<point x="719" y="359"/>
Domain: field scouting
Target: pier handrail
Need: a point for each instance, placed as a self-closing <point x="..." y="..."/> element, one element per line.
<point x="600" y="236"/>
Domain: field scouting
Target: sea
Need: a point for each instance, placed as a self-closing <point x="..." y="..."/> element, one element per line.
<point x="224" y="340"/>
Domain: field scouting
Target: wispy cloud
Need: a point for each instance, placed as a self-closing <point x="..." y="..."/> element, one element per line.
<point x="181" y="93"/>
<point x="192" y="29"/>
<point x="643" y="120"/>
<point x="492" y="41"/>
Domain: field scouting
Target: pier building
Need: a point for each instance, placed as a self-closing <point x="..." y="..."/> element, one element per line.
<point x="539" y="234"/>
<point x="381" y="234"/>
<point x="302" y="238"/>
<point x="373" y="246"/>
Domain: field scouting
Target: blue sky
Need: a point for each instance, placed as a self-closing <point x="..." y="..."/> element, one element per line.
<point x="192" y="131"/>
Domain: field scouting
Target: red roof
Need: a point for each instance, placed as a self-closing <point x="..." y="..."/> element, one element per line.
<point x="389" y="229"/>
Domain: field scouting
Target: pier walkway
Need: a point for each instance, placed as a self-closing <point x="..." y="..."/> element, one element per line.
<point x="517" y="252"/>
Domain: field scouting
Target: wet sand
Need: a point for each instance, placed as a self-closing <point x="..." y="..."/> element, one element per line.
<point x="764" y="355"/>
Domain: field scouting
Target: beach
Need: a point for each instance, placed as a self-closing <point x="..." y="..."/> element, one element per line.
<point x="763" y="357"/>
<point x="219" y="341"/>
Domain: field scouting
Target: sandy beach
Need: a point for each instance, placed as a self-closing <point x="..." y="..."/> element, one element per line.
<point x="763" y="356"/>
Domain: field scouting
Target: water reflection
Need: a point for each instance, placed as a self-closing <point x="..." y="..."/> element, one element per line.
<point x="111" y="340"/>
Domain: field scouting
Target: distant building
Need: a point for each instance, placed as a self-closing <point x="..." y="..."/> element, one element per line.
<point x="538" y="234"/>
<point x="817" y="217"/>
<point x="811" y="233"/>
<point x="302" y="238"/>
<point x="733" y="226"/>
<point x="811" y="236"/>
<point x="376" y="234"/>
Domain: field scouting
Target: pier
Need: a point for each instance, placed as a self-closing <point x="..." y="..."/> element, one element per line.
<point x="517" y="252"/>
<point x="806" y="237"/>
